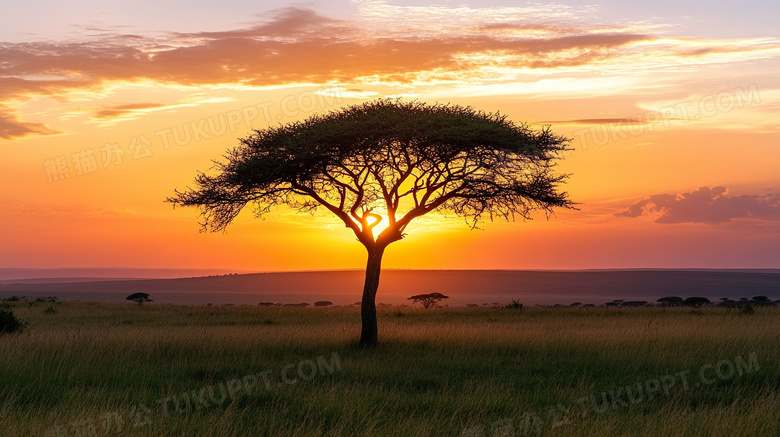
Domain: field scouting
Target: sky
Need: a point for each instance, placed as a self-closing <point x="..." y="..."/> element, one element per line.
<point x="672" y="108"/>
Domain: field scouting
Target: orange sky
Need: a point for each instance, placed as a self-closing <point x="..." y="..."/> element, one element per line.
<point x="674" y="128"/>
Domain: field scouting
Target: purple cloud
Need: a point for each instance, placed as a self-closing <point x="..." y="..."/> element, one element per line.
<point x="706" y="205"/>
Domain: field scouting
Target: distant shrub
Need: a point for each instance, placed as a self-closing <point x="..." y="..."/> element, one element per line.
<point x="46" y="299"/>
<point x="50" y="311"/>
<point x="746" y="310"/>
<point x="9" y="323"/>
<point x="323" y="303"/>
<point x="728" y="303"/>
<point x="514" y="305"/>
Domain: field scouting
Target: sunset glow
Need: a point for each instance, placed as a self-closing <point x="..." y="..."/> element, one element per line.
<point x="672" y="113"/>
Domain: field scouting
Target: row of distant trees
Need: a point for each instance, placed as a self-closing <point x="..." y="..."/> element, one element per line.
<point x="426" y="300"/>
<point x="724" y="302"/>
<point x="320" y="303"/>
<point x="694" y="301"/>
<point x="429" y="300"/>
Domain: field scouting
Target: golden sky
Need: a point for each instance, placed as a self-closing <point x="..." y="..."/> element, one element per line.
<point x="105" y="110"/>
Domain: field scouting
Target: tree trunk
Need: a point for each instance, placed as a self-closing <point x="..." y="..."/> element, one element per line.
<point x="368" y="333"/>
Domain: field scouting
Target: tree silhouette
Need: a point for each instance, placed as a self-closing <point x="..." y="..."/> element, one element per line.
<point x="428" y="300"/>
<point x="696" y="301"/>
<point x="139" y="297"/>
<point x="670" y="301"/>
<point x="401" y="159"/>
<point x="323" y="303"/>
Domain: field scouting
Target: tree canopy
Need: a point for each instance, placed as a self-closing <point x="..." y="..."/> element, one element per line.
<point x="387" y="154"/>
<point x="386" y="160"/>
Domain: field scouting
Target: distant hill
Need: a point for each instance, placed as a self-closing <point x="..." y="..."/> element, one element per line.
<point x="101" y="273"/>
<point x="463" y="286"/>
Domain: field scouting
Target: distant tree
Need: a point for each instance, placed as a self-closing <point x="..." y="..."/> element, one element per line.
<point x="403" y="159"/>
<point x="428" y="300"/>
<point x="634" y="303"/>
<point x="265" y="304"/>
<point x="139" y="297"/>
<point x="323" y="303"/>
<point x="575" y="304"/>
<point x="696" y="302"/>
<point x="762" y="301"/>
<point x="670" y="301"/>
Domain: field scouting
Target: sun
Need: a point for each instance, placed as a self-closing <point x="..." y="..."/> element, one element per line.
<point x="382" y="224"/>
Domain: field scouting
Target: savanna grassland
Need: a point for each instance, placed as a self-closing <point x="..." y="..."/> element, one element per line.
<point x="162" y="370"/>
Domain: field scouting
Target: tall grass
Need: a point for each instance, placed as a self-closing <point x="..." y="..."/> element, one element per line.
<point x="437" y="372"/>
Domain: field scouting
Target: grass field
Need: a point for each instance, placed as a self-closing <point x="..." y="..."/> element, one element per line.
<point x="157" y="370"/>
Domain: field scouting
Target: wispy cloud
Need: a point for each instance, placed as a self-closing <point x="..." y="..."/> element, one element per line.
<point x="481" y="50"/>
<point x="588" y="121"/>
<point x="12" y="127"/>
<point x="122" y="111"/>
<point x="113" y="114"/>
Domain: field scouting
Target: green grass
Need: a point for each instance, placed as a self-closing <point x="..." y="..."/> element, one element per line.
<point x="438" y="372"/>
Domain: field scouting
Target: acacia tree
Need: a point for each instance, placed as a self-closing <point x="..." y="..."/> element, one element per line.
<point x="428" y="300"/>
<point x="139" y="297"/>
<point x="403" y="159"/>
